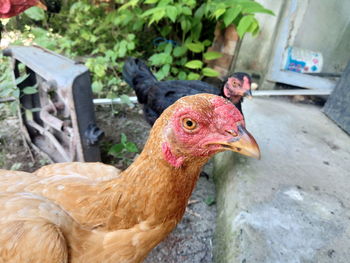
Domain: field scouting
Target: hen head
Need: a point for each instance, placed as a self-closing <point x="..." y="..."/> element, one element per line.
<point x="237" y="86"/>
<point x="202" y="125"/>
<point x="10" y="8"/>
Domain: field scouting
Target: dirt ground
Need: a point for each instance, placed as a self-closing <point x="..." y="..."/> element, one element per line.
<point x="191" y="241"/>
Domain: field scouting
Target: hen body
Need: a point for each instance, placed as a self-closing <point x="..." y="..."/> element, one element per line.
<point x="156" y="95"/>
<point x="92" y="212"/>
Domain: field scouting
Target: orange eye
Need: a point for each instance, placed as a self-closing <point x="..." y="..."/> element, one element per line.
<point x="189" y="124"/>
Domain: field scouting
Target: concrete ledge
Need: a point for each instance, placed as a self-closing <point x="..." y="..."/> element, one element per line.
<point x="292" y="205"/>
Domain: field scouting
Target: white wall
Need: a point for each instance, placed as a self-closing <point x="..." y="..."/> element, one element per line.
<point x="255" y="52"/>
<point x="325" y="28"/>
<point x="320" y="25"/>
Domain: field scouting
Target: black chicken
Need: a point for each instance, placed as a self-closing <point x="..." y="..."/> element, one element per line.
<point x="156" y="95"/>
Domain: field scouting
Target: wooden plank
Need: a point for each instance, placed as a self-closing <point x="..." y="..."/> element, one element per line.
<point x="337" y="106"/>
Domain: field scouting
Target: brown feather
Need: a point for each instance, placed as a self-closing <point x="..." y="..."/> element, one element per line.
<point x="92" y="212"/>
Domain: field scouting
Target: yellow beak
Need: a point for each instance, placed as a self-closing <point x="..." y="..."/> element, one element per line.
<point x="243" y="143"/>
<point x="41" y="5"/>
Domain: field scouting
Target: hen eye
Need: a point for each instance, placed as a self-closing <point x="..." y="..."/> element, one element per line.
<point x="189" y="124"/>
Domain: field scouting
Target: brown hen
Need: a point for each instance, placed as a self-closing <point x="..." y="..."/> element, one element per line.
<point x="91" y="212"/>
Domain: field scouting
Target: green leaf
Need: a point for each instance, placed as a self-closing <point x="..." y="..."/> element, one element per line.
<point x="210" y="55"/>
<point x="165" y="30"/>
<point x="255" y="31"/>
<point x="164" y="3"/>
<point x="182" y="75"/>
<point x="209" y="72"/>
<point x="193" y="76"/>
<point x="254" y="27"/>
<point x="206" y="42"/>
<point x="171" y="12"/>
<point x="35" y="13"/>
<point x="151" y="1"/>
<point x="195" y="47"/>
<point x="123" y="138"/>
<point x="150" y="12"/>
<point x="16" y="93"/>
<point x="125" y="99"/>
<point x="100" y="70"/>
<point x="16" y="166"/>
<point x="258" y="10"/>
<point x="194" y="64"/>
<point x="97" y="87"/>
<point x="244" y="25"/>
<point x="196" y="31"/>
<point x="131" y="46"/>
<point x="250" y="7"/>
<point x="28" y="114"/>
<point x="161" y="59"/>
<point x="163" y="72"/>
<point x="21" y="79"/>
<point x="185" y="25"/>
<point x="210" y="200"/>
<point x="199" y="12"/>
<point x="131" y="147"/>
<point x="168" y="48"/>
<point x="157" y="16"/>
<point x="231" y="15"/>
<point x="122" y="49"/>
<point x="39" y="32"/>
<point x="30" y="90"/>
<point x="186" y="11"/>
<point x="219" y="12"/>
<point x="131" y="37"/>
<point x="174" y="70"/>
<point x="131" y="3"/>
<point x="166" y="69"/>
<point x="179" y="51"/>
<point x="6" y="91"/>
<point x="115" y="149"/>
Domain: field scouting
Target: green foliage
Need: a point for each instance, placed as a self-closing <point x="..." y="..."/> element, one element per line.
<point x="30" y="90"/>
<point x="210" y="200"/>
<point x="7" y="88"/>
<point x="35" y="13"/>
<point x="121" y="149"/>
<point x="182" y="23"/>
<point x="104" y="34"/>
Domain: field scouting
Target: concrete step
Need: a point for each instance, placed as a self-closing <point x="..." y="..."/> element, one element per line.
<point x="292" y="205"/>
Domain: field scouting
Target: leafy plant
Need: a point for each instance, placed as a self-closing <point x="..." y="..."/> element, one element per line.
<point x="173" y="34"/>
<point x="185" y="48"/>
<point x="121" y="149"/>
<point x="8" y="88"/>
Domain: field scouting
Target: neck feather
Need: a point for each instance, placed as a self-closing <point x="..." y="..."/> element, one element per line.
<point x="156" y="189"/>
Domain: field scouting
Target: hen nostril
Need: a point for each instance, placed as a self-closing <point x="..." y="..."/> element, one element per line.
<point x="232" y="132"/>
